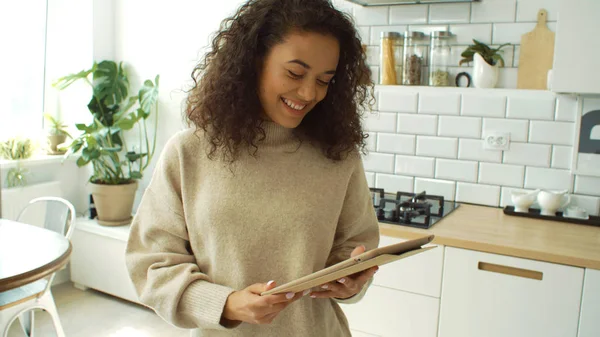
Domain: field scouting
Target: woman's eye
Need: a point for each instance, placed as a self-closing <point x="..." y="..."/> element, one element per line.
<point x="323" y="83"/>
<point x="294" y="75"/>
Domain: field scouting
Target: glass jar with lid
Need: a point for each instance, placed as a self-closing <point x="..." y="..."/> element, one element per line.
<point x="390" y="65"/>
<point x="415" y="58"/>
<point x="439" y="59"/>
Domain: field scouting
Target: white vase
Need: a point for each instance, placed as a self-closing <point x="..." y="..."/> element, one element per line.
<point x="484" y="75"/>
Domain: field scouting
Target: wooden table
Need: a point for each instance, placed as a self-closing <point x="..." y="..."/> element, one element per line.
<point x="29" y="253"/>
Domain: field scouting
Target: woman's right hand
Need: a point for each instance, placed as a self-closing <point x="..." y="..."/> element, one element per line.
<point x="248" y="306"/>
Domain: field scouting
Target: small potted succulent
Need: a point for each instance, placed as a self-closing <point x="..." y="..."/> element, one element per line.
<point x="486" y="61"/>
<point x="57" y="134"/>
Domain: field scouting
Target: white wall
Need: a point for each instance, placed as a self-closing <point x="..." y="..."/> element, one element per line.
<point x="166" y="38"/>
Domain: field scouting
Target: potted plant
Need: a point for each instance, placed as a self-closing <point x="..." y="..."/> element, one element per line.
<point x="116" y="166"/>
<point x="486" y="62"/>
<point x="16" y="149"/>
<point x="57" y="134"/>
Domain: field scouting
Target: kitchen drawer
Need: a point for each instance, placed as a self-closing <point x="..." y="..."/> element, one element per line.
<point x="387" y="312"/>
<point x="421" y="273"/>
<point x="496" y="296"/>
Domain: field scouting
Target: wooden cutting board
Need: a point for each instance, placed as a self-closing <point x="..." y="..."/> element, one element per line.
<point x="537" y="55"/>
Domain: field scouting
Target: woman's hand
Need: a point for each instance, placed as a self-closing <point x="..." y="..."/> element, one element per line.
<point x="248" y="306"/>
<point x="347" y="286"/>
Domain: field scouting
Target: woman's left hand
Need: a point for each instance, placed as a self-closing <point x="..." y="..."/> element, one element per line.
<point x="348" y="286"/>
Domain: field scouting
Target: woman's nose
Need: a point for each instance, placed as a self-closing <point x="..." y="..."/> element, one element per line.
<point x="307" y="91"/>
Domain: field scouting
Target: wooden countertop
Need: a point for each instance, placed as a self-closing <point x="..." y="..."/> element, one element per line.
<point x="488" y="229"/>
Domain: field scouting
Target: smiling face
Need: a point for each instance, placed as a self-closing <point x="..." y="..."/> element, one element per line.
<point x="295" y="76"/>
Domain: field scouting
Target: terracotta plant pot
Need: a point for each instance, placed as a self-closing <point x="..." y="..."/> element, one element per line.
<point x="484" y="75"/>
<point x="54" y="141"/>
<point x="114" y="203"/>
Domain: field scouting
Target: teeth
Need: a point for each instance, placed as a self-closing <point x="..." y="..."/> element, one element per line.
<point x="292" y="105"/>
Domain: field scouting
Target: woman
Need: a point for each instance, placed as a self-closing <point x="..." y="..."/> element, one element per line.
<point x="267" y="185"/>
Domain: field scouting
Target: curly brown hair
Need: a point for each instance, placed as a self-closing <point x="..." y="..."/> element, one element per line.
<point x="224" y="101"/>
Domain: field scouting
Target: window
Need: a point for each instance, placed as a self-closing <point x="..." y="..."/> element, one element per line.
<point x="22" y="59"/>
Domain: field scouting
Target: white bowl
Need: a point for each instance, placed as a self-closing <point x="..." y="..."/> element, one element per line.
<point x="522" y="200"/>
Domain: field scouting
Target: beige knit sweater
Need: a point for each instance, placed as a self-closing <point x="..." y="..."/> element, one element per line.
<point x="205" y="229"/>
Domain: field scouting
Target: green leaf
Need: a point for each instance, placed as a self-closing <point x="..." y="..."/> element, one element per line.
<point x="136" y="175"/>
<point x="82" y="127"/>
<point x="132" y="156"/>
<point x="64" y="82"/>
<point x="148" y="96"/>
<point x="82" y="162"/>
<point x="110" y="83"/>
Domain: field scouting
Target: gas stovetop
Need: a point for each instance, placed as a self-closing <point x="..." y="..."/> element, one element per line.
<point x="419" y="210"/>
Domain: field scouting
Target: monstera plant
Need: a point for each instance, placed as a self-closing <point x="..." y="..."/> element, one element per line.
<point x="102" y="143"/>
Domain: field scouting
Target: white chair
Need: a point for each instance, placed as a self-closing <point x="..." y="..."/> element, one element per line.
<point x="20" y="303"/>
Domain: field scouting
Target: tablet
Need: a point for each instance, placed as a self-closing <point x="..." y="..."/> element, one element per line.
<point x="375" y="257"/>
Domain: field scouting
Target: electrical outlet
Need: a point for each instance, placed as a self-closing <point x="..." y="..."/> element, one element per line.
<point x="495" y="140"/>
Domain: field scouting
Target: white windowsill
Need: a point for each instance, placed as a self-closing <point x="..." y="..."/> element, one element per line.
<point x="36" y="161"/>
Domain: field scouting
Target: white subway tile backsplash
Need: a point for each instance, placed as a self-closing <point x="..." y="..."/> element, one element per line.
<point x="365" y="34"/>
<point x="370" y="178"/>
<point x="408" y="14"/>
<point x="516" y="56"/>
<point x="437" y="147"/>
<point x="372" y="141"/>
<point x="587" y="185"/>
<point x="417" y="124"/>
<point x="427" y="29"/>
<point x="439" y="103"/>
<point x="501" y="174"/>
<point x="449" y="13"/>
<point x="391" y="100"/>
<point x="459" y="170"/>
<point x="472" y="149"/>
<point x="478" y="194"/>
<point x="374" y="73"/>
<point x="445" y="188"/>
<point x="373" y="55"/>
<point x="483" y="105"/>
<point x="414" y="166"/>
<point x="464" y="127"/>
<point x="562" y="157"/>
<point x="566" y="108"/>
<point x="493" y="11"/>
<point x="527" y="10"/>
<point x="560" y="133"/>
<point x="512" y="32"/>
<point x="382" y="121"/>
<point x="589" y="163"/>
<point x="590" y="204"/>
<point x="553" y="179"/>
<point x="518" y="129"/>
<point x="371" y="16"/>
<point x="507" y="78"/>
<point x="376" y="32"/>
<point x="528" y="154"/>
<point x="395" y="143"/>
<point x="394" y="183"/>
<point x="464" y="34"/>
<point x="379" y="162"/>
<point x="527" y="105"/>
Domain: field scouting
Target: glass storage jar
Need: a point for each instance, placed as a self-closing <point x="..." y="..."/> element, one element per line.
<point x="415" y="58"/>
<point x="390" y="57"/>
<point x="439" y="59"/>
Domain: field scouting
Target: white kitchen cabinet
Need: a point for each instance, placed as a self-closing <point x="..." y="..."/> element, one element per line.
<point x="420" y="274"/>
<point x="387" y="312"/>
<point x="482" y="296"/>
<point x="576" y="67"/>
<point x="589" y="321"/>
<point x="98" y="259"/>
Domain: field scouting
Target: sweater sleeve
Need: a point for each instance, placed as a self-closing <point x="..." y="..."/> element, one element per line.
<point x="159" y="258"/>
<point x="357" y="223"/>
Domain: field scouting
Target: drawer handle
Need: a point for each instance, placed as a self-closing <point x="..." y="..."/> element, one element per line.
<point x="496" y="268"/>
